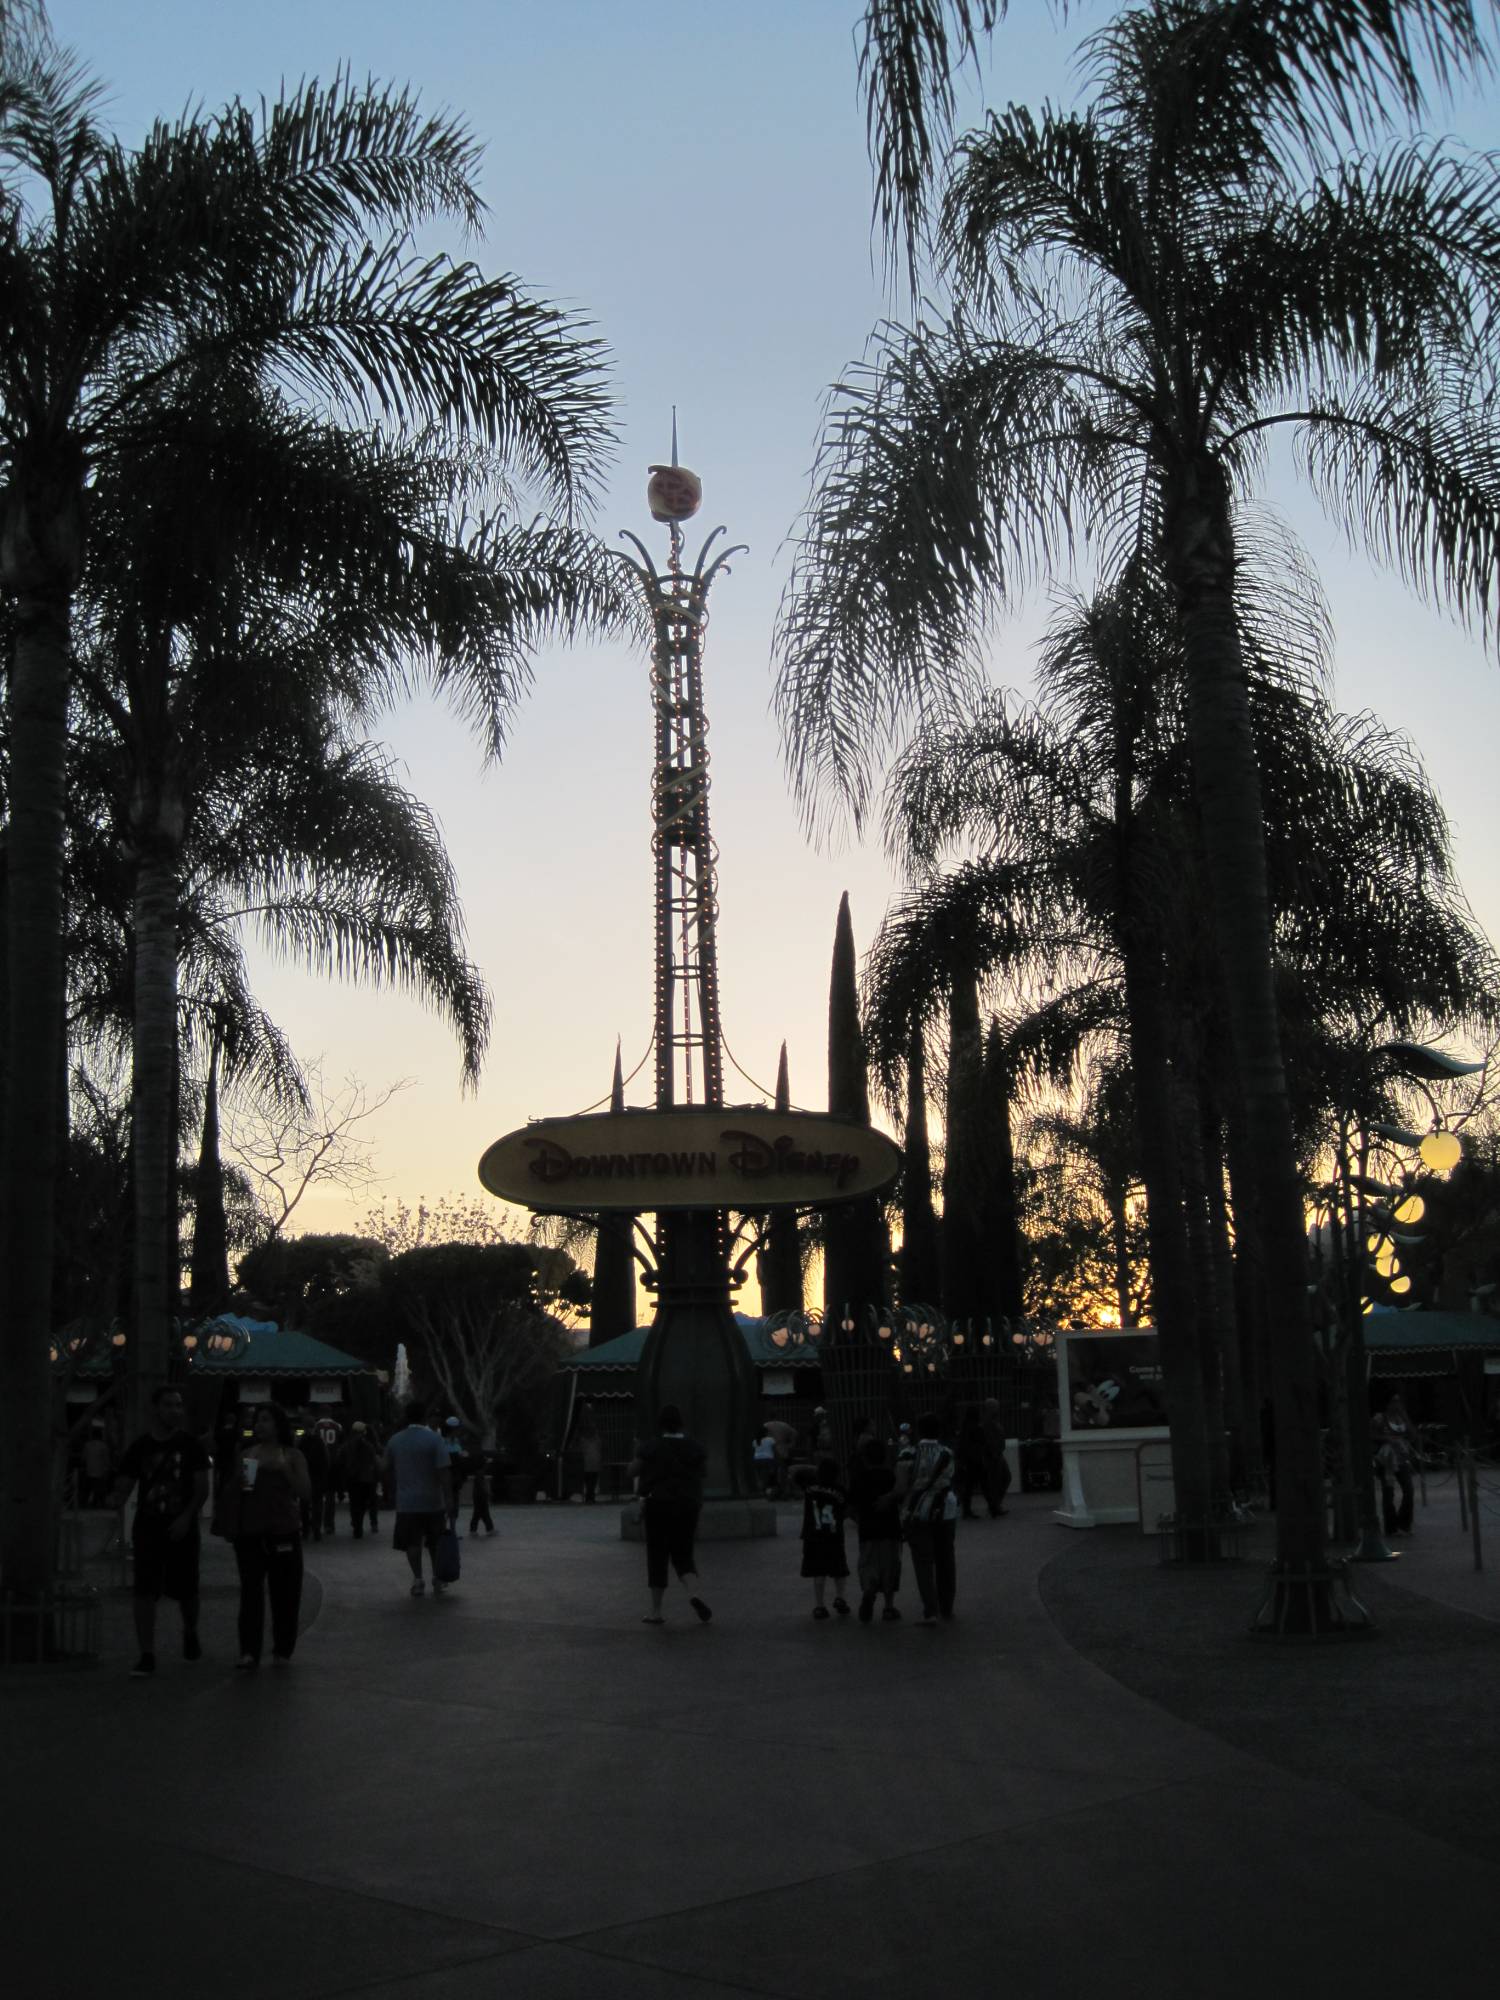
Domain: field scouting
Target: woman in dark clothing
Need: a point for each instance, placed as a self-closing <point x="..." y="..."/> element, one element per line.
<point x="669" y="1473"/>
<point x="262" y="1512"/>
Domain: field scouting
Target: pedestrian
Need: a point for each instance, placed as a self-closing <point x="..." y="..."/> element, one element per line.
<point x="590" y="1450"/>
<point x="362" y="1475"/>
<point x="824" y="1508"/>
<point x="764" y="1457"/>
<point x="331" y="1433"/>
<point x="863" y="1429"/>
<point x="453" y="1437"/>
<point x="994" y="1461"/>
<point x="968" y="1477"/>
<point x="480" y="1500"/>
<point x="822" y="1432"/>
<point x="669" y="1472"/>
<point x="261" y="1511"/>
<point x="929" y="1518"/>
<point x="783" y="1437"/>
<point x="1395" y="1439"/>
<point x="872" y="1496"/>
<point x="309" y="1442"/>
<point x="418" y="1464"/>
<point x="95" y="1468"/>
<point x="171" y="1468"/>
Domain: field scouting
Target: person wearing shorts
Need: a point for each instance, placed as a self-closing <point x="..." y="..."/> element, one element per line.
<point x="170" y="1466"/>
<point x="669" y="1470"/>
<point x="417" y="1461"/>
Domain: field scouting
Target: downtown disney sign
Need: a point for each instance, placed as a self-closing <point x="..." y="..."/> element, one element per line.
<point x="702" y="1157"/>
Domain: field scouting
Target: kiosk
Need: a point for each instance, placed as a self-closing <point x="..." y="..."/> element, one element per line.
<point x="1116" y="1459"/>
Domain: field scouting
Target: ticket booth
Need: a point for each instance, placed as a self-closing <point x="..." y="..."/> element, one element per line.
<point x="1116" y="1459"/>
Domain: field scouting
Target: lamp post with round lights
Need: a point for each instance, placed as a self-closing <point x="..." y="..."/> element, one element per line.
<point x="1367" y="1214"/>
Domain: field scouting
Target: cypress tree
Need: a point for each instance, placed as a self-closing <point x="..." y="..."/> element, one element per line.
<point x="208" y="1278"/>
<point x="921" y="1259"/>
<point x="964" y="1156"/>
<point x="854" y="1241"/>
<point x="780" y="1263"/>
<point x="612" y="1300"/>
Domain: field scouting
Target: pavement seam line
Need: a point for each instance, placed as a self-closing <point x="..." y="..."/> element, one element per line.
<point x="361" y="1895"/>
<point x="895" y="1860"/>
<point x="384" y="1980"/>
<point x="675" y="1972"/>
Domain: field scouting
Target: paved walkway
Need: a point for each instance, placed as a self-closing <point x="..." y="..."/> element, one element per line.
<point x="521" y="1789"/>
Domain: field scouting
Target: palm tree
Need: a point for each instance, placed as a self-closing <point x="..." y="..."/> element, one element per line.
<point x="227" y="246"/>
<point x="319" y="573"/>
<point x="1144" y="294"/>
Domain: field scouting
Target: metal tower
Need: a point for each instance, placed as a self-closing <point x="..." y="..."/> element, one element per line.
<point x="689" y="1058"/>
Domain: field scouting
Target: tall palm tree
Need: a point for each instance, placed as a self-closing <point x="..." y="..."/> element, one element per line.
<point x="250" y="572"/>
<point x="1145" y="293"/>
<point x="1083" y="878"/>
<point x="234" y="244"/>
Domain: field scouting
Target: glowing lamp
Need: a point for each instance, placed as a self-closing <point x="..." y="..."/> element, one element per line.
<point x="1412" y="1209"/>
<point x="1401" y="1284"/>
<point x="1441" y="1152"/>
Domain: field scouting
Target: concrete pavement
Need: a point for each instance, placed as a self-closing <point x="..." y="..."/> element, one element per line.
<point x="519" y="1789"/>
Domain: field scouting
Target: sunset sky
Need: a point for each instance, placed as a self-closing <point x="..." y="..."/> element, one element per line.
<point x="695" y="180"/>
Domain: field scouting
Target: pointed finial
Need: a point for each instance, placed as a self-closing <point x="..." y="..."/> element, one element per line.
<point x="783" y="1087"/>
<point x="617" y="1088"/>
<point x="674" y="433"/>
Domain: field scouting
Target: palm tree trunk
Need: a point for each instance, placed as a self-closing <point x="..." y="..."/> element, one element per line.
<point x="1173" y="1304"/>
<point x="1226" y="1318"/>
<point x="963" y="1155"/>
<point x="1171" y="1269"/>
<point x="1119" y="1238"/>
<point x="1211" y="1329"/>
<point x="1249" y="1290"/>
<point x="1198" y="545"/>
<point x="153" y="1127"/>
<point x="37" y="705"/>
<point x="1001" y="1216"/>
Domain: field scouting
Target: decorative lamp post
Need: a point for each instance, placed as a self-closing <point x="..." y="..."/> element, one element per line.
<point x="1369" y="1220"/>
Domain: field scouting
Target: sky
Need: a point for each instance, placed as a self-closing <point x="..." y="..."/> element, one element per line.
<point x="694" y="180"/>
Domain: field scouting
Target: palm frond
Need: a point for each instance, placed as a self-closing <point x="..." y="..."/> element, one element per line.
<point x="909" y="54"/>
<point x="950" y="471"/>
<point x="1416" y="481"/>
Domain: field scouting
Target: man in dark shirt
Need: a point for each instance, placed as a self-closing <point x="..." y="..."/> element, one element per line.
<point x="669" y="1469"/>
<point x="171" y="1467"/>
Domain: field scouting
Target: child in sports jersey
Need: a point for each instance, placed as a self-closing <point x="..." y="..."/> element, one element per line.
<point x="824" y="1506"/>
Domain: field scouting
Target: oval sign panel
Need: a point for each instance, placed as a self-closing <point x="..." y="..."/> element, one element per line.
<point x="699" y="1158"/>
